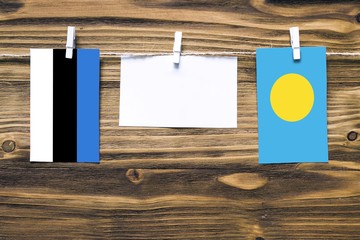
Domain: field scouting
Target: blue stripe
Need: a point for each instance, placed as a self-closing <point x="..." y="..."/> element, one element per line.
<point x="88" y="138"/>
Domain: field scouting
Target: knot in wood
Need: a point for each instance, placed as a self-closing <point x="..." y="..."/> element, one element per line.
<point x="358" y="18"/>
<point x="352" y="136"/>
<point x="8" y="146"/>
<point x="135" y="176"/>
<point x="259" y="238"/>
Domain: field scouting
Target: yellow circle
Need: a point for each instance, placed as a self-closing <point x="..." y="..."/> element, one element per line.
<point x="292" y="97"/>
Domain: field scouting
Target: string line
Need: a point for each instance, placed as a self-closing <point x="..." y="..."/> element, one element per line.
<point x="129" y="54"/>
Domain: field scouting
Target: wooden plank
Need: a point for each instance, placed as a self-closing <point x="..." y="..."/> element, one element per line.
<point x="179" y="183"/>
<point x="102" y="200"/>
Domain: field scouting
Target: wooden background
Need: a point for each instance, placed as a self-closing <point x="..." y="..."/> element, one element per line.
<point x="180" y="183"/>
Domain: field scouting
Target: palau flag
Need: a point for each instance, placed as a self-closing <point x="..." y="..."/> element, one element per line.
<point x="64" y="106"/>
<point x="292" y="119"/>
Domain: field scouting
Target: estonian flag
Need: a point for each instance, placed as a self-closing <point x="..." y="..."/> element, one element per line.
<point x="64" y="99"/>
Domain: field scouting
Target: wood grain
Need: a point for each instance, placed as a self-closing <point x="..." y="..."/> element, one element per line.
<point x="165" y="183"/>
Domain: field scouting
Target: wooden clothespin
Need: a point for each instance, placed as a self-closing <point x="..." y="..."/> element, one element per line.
<point x="295" y="42"/>
<point x="70" y="43"/>
<point x="177" y="47"/>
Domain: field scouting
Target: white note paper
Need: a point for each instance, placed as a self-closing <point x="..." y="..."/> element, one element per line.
<point x="200" y="92"/>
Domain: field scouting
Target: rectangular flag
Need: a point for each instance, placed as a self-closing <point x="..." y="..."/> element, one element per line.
<point x="200" y="92"/>
<point x="292" y="118"/>
<point x="64" y="105"/>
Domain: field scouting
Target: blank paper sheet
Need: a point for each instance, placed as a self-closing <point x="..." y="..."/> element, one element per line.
<point x="200" y="92"/>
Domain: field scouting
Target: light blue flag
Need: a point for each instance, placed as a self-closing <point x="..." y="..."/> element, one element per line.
<point x="291" y="97"/>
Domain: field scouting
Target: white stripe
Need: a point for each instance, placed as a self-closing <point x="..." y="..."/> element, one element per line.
<point x="41" y="105"/>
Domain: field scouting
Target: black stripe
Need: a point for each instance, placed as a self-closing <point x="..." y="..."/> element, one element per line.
<point x="64" y="111"/>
